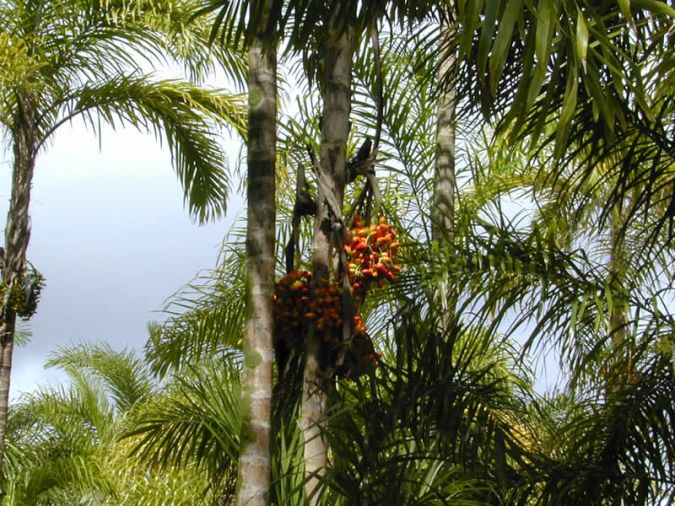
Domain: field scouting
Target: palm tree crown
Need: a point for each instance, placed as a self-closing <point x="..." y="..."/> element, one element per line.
<point x="68" y="59"/>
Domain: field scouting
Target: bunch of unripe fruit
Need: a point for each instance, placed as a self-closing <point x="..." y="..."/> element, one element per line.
<point x="370" y="252"/>
<point x="25" y="293"/>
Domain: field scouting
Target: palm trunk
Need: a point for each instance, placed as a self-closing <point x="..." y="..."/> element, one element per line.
<point x="620" y="363"/>
<point x="334" y="132"/>
<point x="443" y="206"/>
<point x="254" y="463"/>
<point x="17" y="236"/>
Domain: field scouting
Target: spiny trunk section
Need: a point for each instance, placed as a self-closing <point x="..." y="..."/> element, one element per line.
<point x="334" y="133"/>
<point x="254" y="465"/>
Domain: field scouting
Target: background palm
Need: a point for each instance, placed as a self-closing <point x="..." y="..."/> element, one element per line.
<point x="64" y="444"/>
<point x="70" y="59"/>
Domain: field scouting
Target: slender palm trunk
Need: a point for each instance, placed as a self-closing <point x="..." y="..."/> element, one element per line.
<point x="254" y="465"/>
<point x="621" y="358"/>
<point x="443" y="205"/>
<point x="334" y="132"/>
<point x="17" y="236"/>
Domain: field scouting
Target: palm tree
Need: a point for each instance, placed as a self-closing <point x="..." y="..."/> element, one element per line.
<point x="192" y="424"/>
<point x="332" y="173"/>
<point x="593" y="294"/>
<point x="67" y="445"/>
<point x="82" y="59"/>
<point x="338" y="38"/>
<point x="499" y="278"/>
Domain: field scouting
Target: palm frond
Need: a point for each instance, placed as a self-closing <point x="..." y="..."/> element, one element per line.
<point x="196" y="421"/>
<point x="430" y="424"/>
<point x="182" y="114"/>
<point x="125" y="377"/>
<point x="205" y="319"/>
<point x="573" y="75"/>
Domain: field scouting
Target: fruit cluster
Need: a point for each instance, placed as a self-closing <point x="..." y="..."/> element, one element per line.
<point x="325" y="311"/>
<point x="371" y="253"/>
<point x="291" y="295"/>
<point x="25" y="293"/>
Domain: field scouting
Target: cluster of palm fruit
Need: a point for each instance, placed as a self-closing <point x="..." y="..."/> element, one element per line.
<point x="25" y="293"/>
<point x="297" y="304"/>
<point x="371" y="252"/>
<point x="291" y="295"/>
<point x="324" y="309"/>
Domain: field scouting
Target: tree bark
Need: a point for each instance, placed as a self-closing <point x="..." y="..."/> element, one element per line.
<point x="336" y="92"/>
<point x="254" y="463"/>
<point x="17" y="236"/>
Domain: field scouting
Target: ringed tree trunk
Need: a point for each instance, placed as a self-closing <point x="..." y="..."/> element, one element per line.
<point x="17" y="236"/>
<point x="256" y="393"/>
<point x="317" y="382"/>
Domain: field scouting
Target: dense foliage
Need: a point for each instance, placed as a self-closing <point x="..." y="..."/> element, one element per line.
<point x="560" y="244"/>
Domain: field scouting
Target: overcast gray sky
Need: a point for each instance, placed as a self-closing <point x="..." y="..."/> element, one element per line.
<point x="111" y="236"/>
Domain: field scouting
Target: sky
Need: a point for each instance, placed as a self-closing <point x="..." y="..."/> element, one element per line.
<point x="112" y="238"/>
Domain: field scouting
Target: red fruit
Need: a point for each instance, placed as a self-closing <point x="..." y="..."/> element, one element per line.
<point x="359" y="327"/>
